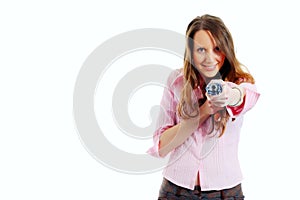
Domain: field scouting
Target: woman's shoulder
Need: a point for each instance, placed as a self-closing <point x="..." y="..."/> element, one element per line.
<point x="175" y="77"/>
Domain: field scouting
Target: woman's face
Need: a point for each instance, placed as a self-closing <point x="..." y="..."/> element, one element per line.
<point x="208" y="58"/>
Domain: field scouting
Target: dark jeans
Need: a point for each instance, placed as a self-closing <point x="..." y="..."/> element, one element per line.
<point x="170" y="191"/>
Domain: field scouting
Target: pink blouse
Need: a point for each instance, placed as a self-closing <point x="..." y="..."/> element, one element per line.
<point x="215" y="158"/>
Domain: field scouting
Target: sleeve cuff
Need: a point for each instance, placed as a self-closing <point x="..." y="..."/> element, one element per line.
<point x="250" y="99"/>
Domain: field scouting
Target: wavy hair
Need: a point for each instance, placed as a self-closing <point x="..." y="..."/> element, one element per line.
<point x="230" y="71"/>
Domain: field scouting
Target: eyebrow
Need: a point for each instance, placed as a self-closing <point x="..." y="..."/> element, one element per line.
<point x="199" y="46"/>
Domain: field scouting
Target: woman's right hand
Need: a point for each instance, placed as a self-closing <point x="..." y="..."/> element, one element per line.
<point x="208" y="108"/>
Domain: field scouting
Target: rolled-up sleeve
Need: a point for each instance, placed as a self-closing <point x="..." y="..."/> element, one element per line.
<point x="250" y="99"/>
<point x="167" y="113"/>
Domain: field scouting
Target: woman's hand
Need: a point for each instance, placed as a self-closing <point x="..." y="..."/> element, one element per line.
<point x="229" y="96"/>
<point x="208" y="108"/>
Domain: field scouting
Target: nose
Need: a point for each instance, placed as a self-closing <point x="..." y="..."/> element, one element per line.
<point x="210" y="57"/>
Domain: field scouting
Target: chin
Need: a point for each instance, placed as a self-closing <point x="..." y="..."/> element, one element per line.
<point x="210" y="74"/>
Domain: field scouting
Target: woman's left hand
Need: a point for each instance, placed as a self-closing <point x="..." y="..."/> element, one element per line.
<point x="222" y="99"/>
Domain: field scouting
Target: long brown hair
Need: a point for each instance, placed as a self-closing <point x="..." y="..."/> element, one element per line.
<point x="230" y="71"/>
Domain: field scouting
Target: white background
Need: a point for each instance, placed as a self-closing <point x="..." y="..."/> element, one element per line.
<point x="43" y="45"/>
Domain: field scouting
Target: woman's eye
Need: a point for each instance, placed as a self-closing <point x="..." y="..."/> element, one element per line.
<point x="217" y="49"/>
<point x="200" y="49"/>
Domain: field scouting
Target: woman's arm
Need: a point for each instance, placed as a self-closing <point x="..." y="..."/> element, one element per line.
<point x="176" y="135"/>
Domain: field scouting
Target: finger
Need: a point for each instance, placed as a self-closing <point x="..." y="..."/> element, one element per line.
<point x="217" y="81"/>
<point x="220" y="99"/>
<point x="219" y="104"/>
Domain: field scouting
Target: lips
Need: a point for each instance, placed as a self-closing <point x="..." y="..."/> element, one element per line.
<point x="210" y="67"/>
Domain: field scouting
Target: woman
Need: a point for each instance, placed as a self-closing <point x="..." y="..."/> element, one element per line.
<point x="200" y="130"/>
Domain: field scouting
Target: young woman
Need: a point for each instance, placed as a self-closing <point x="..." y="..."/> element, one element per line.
<point x="200" y="130"/>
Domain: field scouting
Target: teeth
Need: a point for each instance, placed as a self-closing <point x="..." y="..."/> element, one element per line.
<point x="210" y="67"/>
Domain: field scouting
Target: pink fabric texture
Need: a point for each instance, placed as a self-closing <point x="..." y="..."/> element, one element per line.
<point x="215" y="158"/>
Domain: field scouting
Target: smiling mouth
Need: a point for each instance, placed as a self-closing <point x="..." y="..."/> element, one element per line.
<point x="210" y="67"/>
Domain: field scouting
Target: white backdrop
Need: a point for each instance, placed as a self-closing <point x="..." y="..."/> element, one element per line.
<point x="42" y="48"/>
